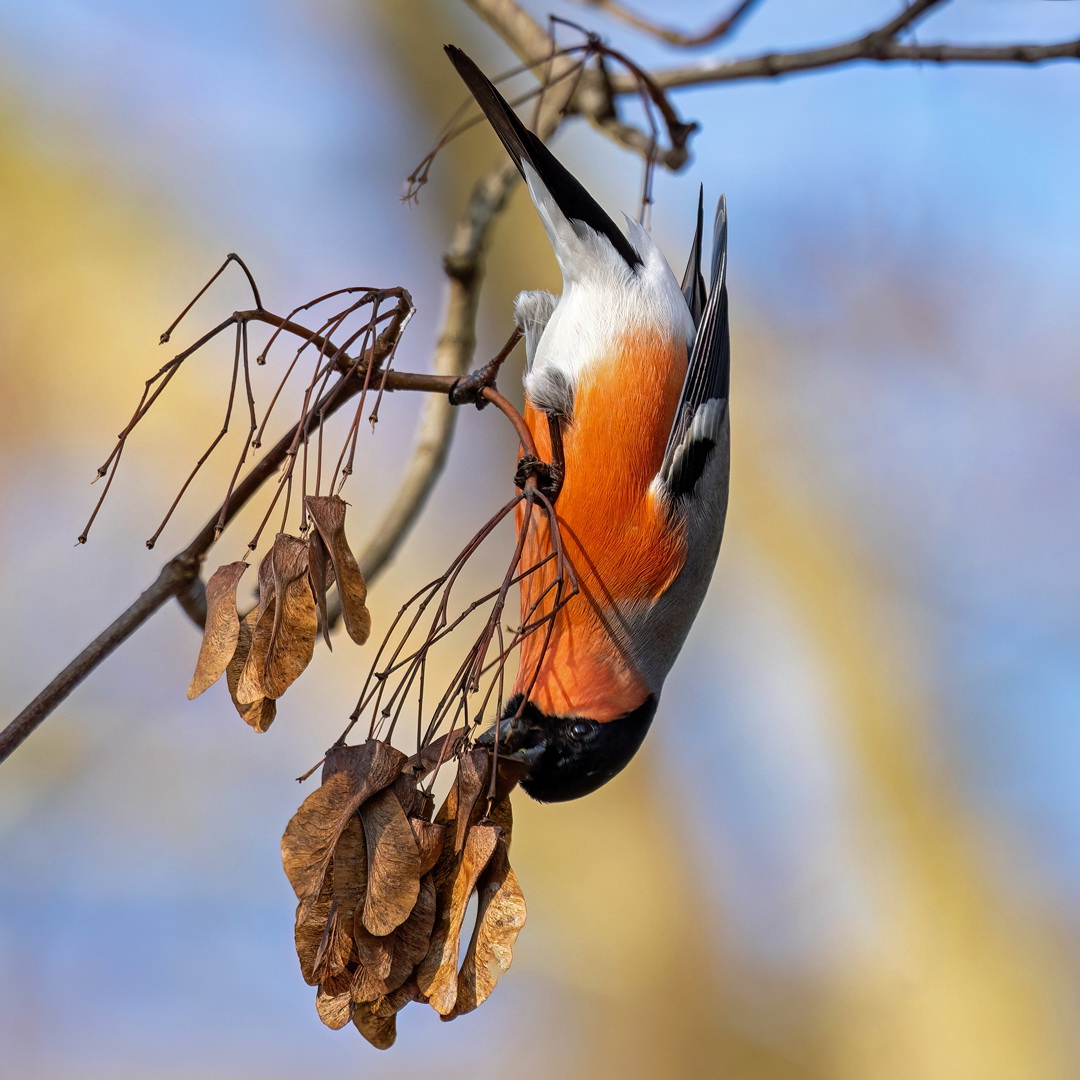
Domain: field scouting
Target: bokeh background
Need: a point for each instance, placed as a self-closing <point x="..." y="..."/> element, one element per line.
<point x="851" y="848"/>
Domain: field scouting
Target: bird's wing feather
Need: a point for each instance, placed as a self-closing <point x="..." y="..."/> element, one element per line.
<point x="693" y="284"/>
<point x="703" y="404"/>
<point x="573" y="201"/>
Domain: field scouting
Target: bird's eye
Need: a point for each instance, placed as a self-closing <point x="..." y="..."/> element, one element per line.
<point x="581" y="730"/>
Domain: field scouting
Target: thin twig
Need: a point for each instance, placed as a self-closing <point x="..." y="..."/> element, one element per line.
<point x="463" y="263"/>
<point x="178" y="573"/>
<point x="870" y="47"/>
<point x="710" y="35"/>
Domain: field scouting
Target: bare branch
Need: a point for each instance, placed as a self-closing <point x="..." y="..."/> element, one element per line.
<point x="519" y="30"/>
<point x="907" y="18"/>
<point x="874" y="47"/>
<point x="590" y="94"/>
<point x="179" y="572"/>
<point x="716" y="32"/>
<point x="453" y="355"/>
<point x="463" y="263"/>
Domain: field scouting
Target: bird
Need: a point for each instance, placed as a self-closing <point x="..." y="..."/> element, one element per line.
<point x="631" y="367"/>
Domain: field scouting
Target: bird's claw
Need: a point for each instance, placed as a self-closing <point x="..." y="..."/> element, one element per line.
<point x="548" y="477"/>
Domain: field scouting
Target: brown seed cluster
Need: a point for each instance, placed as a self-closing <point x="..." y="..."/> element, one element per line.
<point x="382" y="889"/>
<point x="262" y="653"/>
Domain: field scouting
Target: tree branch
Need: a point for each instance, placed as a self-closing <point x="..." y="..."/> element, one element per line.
<point x="592" y="95"/>
<point x="588" y="94"/>
<point x="180" y="571"/>
<point x="879" y="45"/>
<point x="716" y="32"/>
<point x="463" y="262"/>
<point x="453" y="355"/>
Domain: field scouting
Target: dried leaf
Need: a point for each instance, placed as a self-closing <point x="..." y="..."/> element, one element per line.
<point x="309" y="932"/>
<point x="413" y="938"/>
<point x="328" y="514"/>
<point x="393" y="863"/>
<point x="250" y="686"/>
<point x="367" y="987"/>
<point x="439" y="750"/>
<point x="292" y="642"/>
<point x="376" y="953"/>
<point x="283" y="640"/>
<point x="455" y="878"/>
<point x="337" y="953"/>
<point x="337" y="984"/>
<point x="387" y="962"/>
<point x="499" y="918"/>
<point x="335" y="949"/>
<point x="348" y="872"/>
<point x="391" y="1004"/>
<point x="320" y="574"/>
<point x="463" y="807"/>
<point x="222" y="629"/>
<point x="376" y="959"/>
<point x="429" y="839"/>
<point x="502" y="814"/>
<point x="379" y="1031"/>
<point x="261" y="712"/>
<point x="335" y="1011"/>
<point x="351" y="775"/>
<point x="407" y="793"/>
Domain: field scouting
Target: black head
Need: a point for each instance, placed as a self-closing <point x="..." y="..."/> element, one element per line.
<point x="566" y="757"/>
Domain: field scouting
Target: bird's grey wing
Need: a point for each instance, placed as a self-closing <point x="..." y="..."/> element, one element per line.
<point x="693" y="284"/>
<point x="702" y="416"/>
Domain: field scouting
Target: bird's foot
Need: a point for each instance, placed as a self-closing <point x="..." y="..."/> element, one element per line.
<point x="548" y="477"/>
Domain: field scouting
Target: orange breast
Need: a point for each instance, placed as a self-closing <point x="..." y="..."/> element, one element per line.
<point x="618" y="541"/>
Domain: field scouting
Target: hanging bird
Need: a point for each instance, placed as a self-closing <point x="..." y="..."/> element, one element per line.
<point x="632" y="369"/>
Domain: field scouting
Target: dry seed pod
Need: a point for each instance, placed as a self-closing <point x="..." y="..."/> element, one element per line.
<point x="309" y="934"/>
<point x="261" y="712"/>
<point x="320" y="575"/>
<point x="328" y="514"/>
<point x="366" y="986"/>
<point x="292" y="639"/>
<point x="413" y="938"/>
<point x="376" y="954"/>
<point x="379" y="1031"/>
<point x="391" y="1004"/>
<point x="335" y="949"/>
<point x="463" y="805"/>
<point x="410" y="797"/>
<point x="222" y="631"/>
<point x="393" y="877"/>
<point x="455" y="880"/>
<point x="333" y="985"/>
<point x="387" y="962"/>
<point x="351" y="775"/>
<point x="438" y="751"/>
<point x="500" y="916"/>
<point x="335" y="1011"/>
<point x="429" y="840"/>
<point x="283" y="640"/>
<point x="348" y="875"/>
<point x="375" y="959"/>
<point x="250" y="688"/>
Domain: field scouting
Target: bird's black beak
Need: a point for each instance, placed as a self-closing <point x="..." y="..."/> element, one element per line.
<point x="518" y="739"/>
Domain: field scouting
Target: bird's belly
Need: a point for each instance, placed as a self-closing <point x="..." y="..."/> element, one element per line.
<point x="621" y="544"/>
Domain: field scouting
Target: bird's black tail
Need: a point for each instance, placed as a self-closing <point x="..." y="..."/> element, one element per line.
<point x="524" y="147"/>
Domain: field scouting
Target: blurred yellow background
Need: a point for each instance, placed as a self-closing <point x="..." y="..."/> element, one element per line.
<point x="850" y="849"/>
